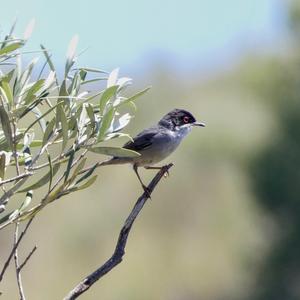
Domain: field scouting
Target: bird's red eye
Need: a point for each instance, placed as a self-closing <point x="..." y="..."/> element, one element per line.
<point x="186" y="119"/>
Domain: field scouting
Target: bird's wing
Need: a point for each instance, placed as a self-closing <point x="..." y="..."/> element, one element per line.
<point x="142" y="141"/>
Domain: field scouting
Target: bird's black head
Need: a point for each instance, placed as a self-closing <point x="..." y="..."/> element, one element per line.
<point x="178" y="118"/>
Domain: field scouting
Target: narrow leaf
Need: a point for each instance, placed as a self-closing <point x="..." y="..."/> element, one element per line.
<point x="10" y="48"/>
<point x="33" y="90"/>
<point x="8" y="92"/>
<point x="48" y="58"/>
<point x="71" y="54"/>
<point x="42" y="181"/>
<point x="2" y="166"/>
<point x="64" y="125"/>
<point x="6" y="127"/>
<point x="87" y="69"/>
<point x="48" y="131"/>
<point x="105" y="124"/>
<point x="113" y="77"/>
<point x="90" y="111"/>
<point x="41" y="117"/>
<point x="87" y="174"/>
<point x="134" y="97"/>
<point x="70" y="161"/>
<point x="77" y="170"/>
<point x="114" y="151"/>
<point x="29" y="29"/>
<point x="87" y="184"/>
<point x="106" y="96"/>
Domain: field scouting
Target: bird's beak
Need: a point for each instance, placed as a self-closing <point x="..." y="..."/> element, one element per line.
<point x="201" y="124"/>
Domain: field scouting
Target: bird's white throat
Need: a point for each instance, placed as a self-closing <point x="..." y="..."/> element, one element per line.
<point x="182" y="131"/>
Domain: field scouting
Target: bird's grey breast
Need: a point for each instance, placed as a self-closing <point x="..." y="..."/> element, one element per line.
<point x="162" y="144"/>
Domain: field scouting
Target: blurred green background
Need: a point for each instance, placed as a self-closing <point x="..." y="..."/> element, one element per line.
<point x="226" y="223"/>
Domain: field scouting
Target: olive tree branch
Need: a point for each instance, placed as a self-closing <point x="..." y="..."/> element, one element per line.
<point x="119" y="251"/>
<point x="15" y="246"/>
<point x="16" y="259"/>
<point x="15" y="178"/>
<point x="27" y="258"/>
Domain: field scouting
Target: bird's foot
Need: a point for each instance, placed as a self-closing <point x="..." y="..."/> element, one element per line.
<point x="166" y="174"/>
<point x="147" y="191"/>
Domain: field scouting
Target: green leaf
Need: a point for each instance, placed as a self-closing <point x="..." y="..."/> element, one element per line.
<point x="81" y="187"/>
<point x="82" y="74"/>
<point x="90" y="111"/>
<point x="113" y="77"/>
<point x="117" y="135"/>
<point x="87" y="174"/>
<point x="6" y="127"/>
<point x="63" y="89"/>
<point x="2" y="166"/>
<point x="18" y="112"/>
<point x="121" y="122"/>
<point x="87" y="184"/>
<point x="48" y="131"/>
<point x="106" y="96"/>
<point x="48" y="58"/>
<point x="34" y="89"/>
<point x="8" y="92"/>
<point x="105" y="124"/>
<point x="10" y="48"/>
<point x="72" y="125"/>
<point x="61" y="116"/>
<point x="134" y="97"/>
<point x="8" y="76"/>
<point x="25" y="77"/>
<point x="29" y="29"/>
<point x="114" y="151"/>
<point x="93" y="70"/>
<point x="70" y="161"/>
<point x="42" y="181"/>
<point x="41" y="117"/>
<point x="93" y="80"/>
<point x="77" y="170"/>
<point x="71" y="54"/>
<point x="75" y="85"/>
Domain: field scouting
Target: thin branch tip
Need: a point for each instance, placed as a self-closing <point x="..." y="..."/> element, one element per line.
<point x="119" y="251"/>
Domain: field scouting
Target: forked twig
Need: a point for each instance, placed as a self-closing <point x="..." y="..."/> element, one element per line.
<point x="117" y="256"/>
<point x="16" y="244"/>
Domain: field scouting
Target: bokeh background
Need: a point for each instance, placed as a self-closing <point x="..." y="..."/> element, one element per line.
<point x="226" y="223"/>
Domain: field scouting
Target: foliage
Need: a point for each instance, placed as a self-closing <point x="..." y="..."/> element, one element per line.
<point x="64" y="122"/>
<point x="275" y="174"/>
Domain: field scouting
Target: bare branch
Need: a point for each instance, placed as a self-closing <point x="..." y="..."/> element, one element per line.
<point x="117" y="256"/>
<point x="27" y="258"/>
<point x="16" y="244"/>
<point x="15" y="178"/>
<point x="12" y="190"/>
<point x="16" y="259"/>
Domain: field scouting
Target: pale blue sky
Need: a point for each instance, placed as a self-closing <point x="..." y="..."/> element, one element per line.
<point x="132" y="33"/>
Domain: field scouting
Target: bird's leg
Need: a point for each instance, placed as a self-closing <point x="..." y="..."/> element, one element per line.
<point x="146" y="190"/>
<point x="157" y="168"/>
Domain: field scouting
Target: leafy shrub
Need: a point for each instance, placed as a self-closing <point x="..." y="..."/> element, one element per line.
<point x="65" y="121"/>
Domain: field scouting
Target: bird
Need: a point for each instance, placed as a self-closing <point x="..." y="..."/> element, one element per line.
<point x="156" y="143"/>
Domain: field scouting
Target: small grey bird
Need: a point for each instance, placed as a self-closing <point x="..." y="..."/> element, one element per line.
<point x="157" y="142"/>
